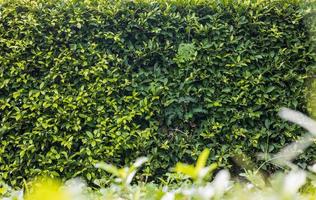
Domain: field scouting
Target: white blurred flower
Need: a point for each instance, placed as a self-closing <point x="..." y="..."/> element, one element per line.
<point x="294" y="181"/>
<point x="203" y="172"/>
<point x="75" y="188"/>
<point x="216" y="188"/>
<point x="312" y="168"/>
<point x="130" y="177"/>
<point x="140" y="161"/>
<point x="165" y="188"/>
<point x="287" y="154"/>
<point x="16" y="195"/>
<point x="189" y="191"/>
<point x="19" y="195"/>
<point x="168" y="196"/>
<point x="221" y="181"/>
<point x="249" y="186"/>
<point x="98" y="165"/>
<point x="203" y="192"/>
<point x="206" y="192"/>
<point x="299" y="118"/>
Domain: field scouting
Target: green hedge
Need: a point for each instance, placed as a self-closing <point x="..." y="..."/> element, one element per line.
<point x="85" y="81"/>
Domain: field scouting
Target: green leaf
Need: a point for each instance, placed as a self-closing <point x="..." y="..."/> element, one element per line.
<point x="188" y="170"/>
<point x="109" y="168"/>
<point x="201" y="162"/>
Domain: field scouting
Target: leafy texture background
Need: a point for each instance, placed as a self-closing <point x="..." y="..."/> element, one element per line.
<point x="85" y="81"/>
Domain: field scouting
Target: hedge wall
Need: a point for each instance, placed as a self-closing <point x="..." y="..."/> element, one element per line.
<point x="85" y="81"/>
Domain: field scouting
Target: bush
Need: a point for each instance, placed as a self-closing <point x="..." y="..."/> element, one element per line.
<point x="84" y="81"/>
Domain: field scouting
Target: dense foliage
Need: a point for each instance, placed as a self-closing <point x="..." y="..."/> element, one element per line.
<point x="84" y="81"/>
<point x="196" y="179"/>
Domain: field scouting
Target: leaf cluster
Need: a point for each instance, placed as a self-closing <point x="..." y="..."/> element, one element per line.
<point x="84" y="81"/>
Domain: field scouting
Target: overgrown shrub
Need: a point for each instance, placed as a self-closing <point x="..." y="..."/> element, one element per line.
<point x="84" y="81"/>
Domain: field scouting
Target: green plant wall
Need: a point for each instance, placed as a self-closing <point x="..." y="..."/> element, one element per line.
<point x="85" y="81"/>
